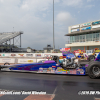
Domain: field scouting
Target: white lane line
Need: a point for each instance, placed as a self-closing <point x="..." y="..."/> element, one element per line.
<point x="55" y="90"/>
<point x="53" y="95"/>
<point x="96" y="98"/>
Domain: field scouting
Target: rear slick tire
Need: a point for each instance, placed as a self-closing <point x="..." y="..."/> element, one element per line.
<point x="94" y="70"/>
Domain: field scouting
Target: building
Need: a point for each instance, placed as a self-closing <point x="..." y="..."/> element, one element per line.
<point x="10" y="41"/>
<point x="48" y="49"/>
<point x="85" y="36"/>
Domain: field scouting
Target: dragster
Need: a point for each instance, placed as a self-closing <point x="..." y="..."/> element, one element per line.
<point x="68" y="66"/>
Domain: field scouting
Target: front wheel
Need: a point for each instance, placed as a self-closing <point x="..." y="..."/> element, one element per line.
<point x="6" y="63"/>
<point x="94" y="69"/>
<point x="91" y="57"/>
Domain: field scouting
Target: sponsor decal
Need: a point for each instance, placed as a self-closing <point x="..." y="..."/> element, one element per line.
<point x="86" y="24"/>
<point x="95" y="23"/>
<point x="63" y="72"/>
<point x="25" y="60"/>
<point x="78" y="70"/>
<point x="78" y="51"/>
<point x="7" y="60"/>
<point x="67" y="71"/>
<point x="21" y="55"/>
<point x="52" y="71"/>
<point x="53" y="66"/>
<point x="30" y="61"/>
<point x="40" y="70"/>
<point x="47" y="55"/>
<point x="81" y="71"/>
<point x="86" y="28"/>
<point x="45" y="70"/>
<point x="64" y="49"/>
<point x="60" y="70"/>
<point x="38" y="55"/>
<point x="3" y="55"/>
<point x="57" y="65"/>
<point x="29" y="55"/>
<point x="13" y="55"/>
<point x="89" y="51"/>
<point x="73" y="71"/>
<point x="61" y="57"/>
<point x="49" y="70"/>
<point x="97" y="51"/>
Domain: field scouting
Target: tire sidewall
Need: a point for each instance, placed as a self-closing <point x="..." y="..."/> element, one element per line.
<point x="90" y="69"/>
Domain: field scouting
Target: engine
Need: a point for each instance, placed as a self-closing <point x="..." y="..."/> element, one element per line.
<point x="69" y="63"/>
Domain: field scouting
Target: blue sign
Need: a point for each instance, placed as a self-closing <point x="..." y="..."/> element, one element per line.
<point x="95" y="23"/>
<point x="86" y="28"/>
<point x="74" y="30"/>
<point x="78" y="29"/>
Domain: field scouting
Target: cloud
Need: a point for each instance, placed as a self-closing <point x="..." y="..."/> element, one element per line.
<point x="56" y="1"/>
<point x="72" y="2"/>
<point x="25" y="5"/>
<point x="89" y="6"/>
<point x="37" y="5"/>
<point x="34" y="18"/>
<point x="64" y="18"/>
<point x="78" y="11"/>
<point x="90" y="0"/>
<point x="1" y="1"/>
<point x="26" y="16"/>
<point x="44" y="15"/>
<point x="63" y="21"/>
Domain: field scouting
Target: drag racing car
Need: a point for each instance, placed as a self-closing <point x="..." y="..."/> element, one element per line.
<point x="69" y="65"/>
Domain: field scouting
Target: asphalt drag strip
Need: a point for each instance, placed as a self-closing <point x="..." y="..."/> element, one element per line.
<point x="57" y="87"/>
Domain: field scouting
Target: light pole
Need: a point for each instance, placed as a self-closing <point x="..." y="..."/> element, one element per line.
<point x="53" y="27"/>
<point x="13" y="29"/>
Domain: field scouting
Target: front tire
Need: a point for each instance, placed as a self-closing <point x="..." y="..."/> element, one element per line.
<point x="6" y="63"/>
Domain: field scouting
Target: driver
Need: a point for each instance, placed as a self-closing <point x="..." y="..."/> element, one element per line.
<point x="82" y="56"/>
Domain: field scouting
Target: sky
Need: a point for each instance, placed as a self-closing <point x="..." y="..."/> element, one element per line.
<point x="35" y="19"/>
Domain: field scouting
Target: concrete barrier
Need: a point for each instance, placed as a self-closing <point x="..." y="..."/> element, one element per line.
<point x="28" y="54"/>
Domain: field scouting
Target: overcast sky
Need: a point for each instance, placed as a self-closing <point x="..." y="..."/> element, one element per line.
<point x="35" y="19"/>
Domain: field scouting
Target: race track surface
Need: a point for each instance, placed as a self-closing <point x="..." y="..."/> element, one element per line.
<point x="57" y="87"/>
